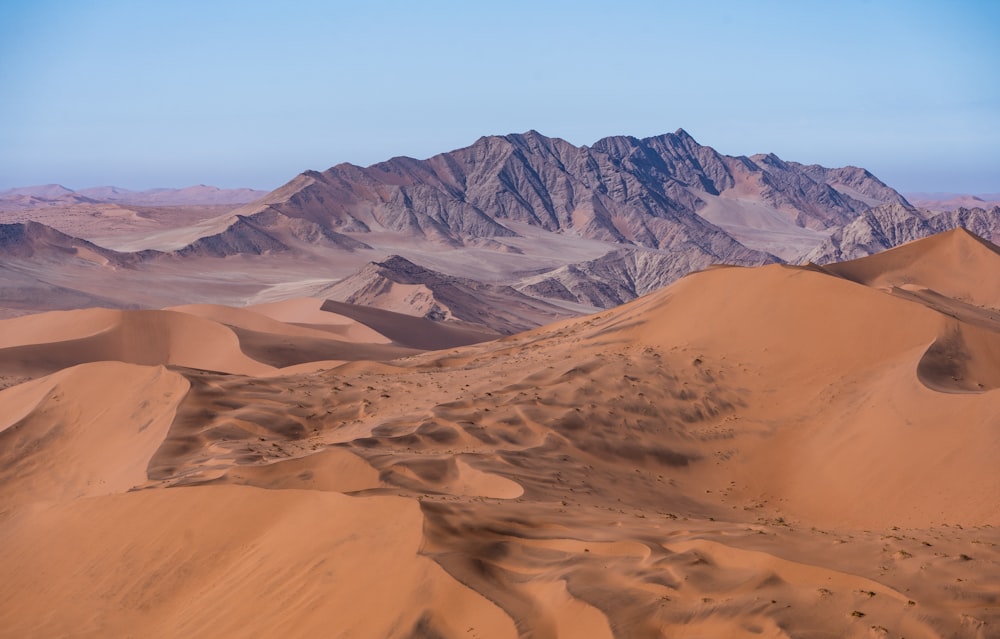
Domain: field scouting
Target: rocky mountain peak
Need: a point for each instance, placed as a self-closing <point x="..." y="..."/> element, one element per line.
<point x="683" y="135"/>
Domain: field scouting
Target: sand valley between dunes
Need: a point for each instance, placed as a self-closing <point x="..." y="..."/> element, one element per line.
<point x="778" y="451"/>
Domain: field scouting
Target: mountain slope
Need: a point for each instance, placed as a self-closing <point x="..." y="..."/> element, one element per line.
<point x="38" y="242"/>
<point x="44" y="269"/>
<point x="397" y="284"/>
<point x="267" y="232"/>
<point x="940" y="202"/>
<point x="615" y="278"/>
<point x="55" y="195"/>
<point x="622" y="190"/>
<point x="44" y="195"/>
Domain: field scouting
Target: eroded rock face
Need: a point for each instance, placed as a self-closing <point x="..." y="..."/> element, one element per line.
<point x="397" y="284"/>
<point x="891" y="225"/>
<point x="622" y="189"/>
<point x="617" y="277"/>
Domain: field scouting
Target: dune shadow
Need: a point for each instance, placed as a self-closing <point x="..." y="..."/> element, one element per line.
<point x="960" y="363"/>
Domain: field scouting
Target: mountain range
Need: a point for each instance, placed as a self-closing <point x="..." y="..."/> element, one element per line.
<point x="665" y="192"/>
<point x="50" y="195"/>
<point x="552" y="229"/>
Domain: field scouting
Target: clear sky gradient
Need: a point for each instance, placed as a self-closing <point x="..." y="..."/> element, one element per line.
<point x="161" y="94"/>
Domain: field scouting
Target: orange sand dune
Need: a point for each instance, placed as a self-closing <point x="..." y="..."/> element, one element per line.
<point x="777" y="452"/>
<point x="414" y="332"/>
<point x="39" y="344"/>
<point x="955" y="263"/>
<point x="282" y="344"/>
<point x="202" y="336"/>
<point x="250" y="320"/>
<point x="307" y="311"/>
<point x="831" y="373"/>
<point x="84" y="431"/>
<point x="232" y="561"/>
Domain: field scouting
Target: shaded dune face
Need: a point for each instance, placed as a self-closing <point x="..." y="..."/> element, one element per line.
<point x="779" y="451"/>
<point x="963" y="360"/>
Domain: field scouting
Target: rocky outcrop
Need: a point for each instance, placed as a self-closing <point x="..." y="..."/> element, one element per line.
<point x="397" y="284"/>
<point x="873" y="231"/>
<point x="891" y="225"/>
<point x="984" y="222"/>
<point x="619" y="276"/>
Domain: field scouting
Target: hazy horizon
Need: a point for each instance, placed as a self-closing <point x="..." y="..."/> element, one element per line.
<point x="249" y="96"/>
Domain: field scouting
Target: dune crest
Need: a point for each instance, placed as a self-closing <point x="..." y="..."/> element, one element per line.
<point x="85" y="431"/>
<point x="136" y="337"/>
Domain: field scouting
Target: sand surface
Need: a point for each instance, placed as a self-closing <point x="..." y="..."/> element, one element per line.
<point x="771" y="452"/>
<point x="219" y="338"/>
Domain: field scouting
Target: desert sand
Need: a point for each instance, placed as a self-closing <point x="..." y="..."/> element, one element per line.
<point x="750" y="452"/>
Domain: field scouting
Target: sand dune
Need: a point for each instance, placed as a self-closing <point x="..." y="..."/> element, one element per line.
<point x="962" y="359"/>
<point x="136" y="337"/>
<point x="956" y="264"/>
<point x="414" y="332"/>
<point x="84" y="431"/>
<point x="233" y="561"/>
<point x="308" y="312"/>
<point x="249" y="319"/>
<point x="216" y="338"/>
<point x="281" y="344"/>
<point x="776" y="451"/>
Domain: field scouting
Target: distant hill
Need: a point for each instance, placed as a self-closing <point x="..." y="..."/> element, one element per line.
<point x="192" y="195"/>
<point x="31" y="240"/>
<point x="952" y="201"/>
<point x="49" y="195"/>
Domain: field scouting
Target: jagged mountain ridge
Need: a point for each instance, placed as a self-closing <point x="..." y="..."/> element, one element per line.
<point x="643" y="192"/>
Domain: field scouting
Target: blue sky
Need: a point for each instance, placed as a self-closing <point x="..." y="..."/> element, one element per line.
<point x="248" y="93"/>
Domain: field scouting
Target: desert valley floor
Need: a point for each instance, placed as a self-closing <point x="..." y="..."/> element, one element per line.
<point x="776" y="451"/>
